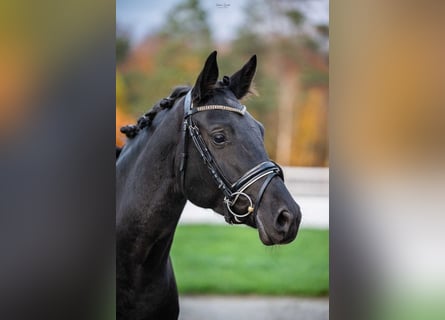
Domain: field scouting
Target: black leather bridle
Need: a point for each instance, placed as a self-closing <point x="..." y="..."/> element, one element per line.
<point x="232" y="191"/>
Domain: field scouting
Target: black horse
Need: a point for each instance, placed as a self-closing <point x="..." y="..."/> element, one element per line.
<point x="199" y="144"/>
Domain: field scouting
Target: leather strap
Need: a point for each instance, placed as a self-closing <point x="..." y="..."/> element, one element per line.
<point x="255" y="171"/>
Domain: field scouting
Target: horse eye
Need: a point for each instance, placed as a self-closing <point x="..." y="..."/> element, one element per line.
<point x="219" y="138"/>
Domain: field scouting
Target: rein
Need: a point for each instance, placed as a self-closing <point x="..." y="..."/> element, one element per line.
<point x="232" y="191"/>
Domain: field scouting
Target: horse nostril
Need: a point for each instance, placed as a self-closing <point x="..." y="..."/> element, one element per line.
<point x="283" y="220"/>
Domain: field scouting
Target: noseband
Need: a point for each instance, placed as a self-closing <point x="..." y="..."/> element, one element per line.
<point x="232" y="191"/>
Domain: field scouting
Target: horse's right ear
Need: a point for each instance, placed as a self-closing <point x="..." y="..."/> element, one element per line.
<point x="206" y="79"/>
<point x="241" y="80"/>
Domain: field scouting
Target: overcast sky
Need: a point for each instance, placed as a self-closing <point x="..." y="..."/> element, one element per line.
<point x="140" y="17"/>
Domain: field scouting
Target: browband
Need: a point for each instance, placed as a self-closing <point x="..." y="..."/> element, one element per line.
<point x="189" y="109"/>
<point x="220" y="107"/>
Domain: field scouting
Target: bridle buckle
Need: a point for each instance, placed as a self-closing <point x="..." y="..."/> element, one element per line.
<point x="230" y="203"/>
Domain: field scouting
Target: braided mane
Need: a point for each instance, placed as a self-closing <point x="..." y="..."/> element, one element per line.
<point x="145" y="121"/>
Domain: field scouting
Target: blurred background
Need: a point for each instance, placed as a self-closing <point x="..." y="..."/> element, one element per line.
<point x="387" y="151"/>
<point x="161" y="44"/>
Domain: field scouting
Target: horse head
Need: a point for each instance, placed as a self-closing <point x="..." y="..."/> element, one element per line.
<point x="224" y="164"/>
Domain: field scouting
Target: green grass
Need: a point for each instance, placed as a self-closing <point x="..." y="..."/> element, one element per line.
<point x="232" y="260"/>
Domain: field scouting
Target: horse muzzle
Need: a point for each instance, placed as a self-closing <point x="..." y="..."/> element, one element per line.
<point x="279" y="217"/>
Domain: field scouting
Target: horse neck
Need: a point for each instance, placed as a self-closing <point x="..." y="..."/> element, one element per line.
<point x="149" y="194"/>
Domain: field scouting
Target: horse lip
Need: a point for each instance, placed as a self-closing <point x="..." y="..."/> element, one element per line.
<point x="265" y="238"/>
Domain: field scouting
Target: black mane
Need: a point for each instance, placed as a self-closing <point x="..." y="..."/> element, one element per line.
<point x="145" y="121"/>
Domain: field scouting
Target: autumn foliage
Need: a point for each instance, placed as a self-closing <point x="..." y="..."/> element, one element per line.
<point x="292" y="73"/>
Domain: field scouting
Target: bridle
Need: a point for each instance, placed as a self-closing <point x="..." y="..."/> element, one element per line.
<point x="232" y="191"/>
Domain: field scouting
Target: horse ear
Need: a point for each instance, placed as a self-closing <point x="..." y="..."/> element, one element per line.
<point x="241" y="80"/>
<point x="206" y="79"/>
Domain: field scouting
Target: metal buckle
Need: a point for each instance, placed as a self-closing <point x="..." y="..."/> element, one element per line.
<point x="230" y="204"/>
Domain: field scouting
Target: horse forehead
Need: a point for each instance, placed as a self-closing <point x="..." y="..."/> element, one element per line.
<point x="224" y="96"/>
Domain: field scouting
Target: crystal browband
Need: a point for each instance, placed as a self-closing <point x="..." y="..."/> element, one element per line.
<point x="220" y="107"/>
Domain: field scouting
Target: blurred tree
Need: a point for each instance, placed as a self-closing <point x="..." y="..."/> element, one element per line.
<point x="171" y="57"/>
<point x="280" y="33"/>
<point x="292" y="77"/>
<point x="323" y="29"/>
<point x="186" y="23"/>
<point x="295" y="16"/>
<point x="310" y="133"/>
<point x="122" y="115"/>
<point x="121" y="91"/>
<point x="122" y="45"/>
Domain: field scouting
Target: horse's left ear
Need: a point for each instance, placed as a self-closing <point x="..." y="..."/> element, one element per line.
<point x="241" y="80"/>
